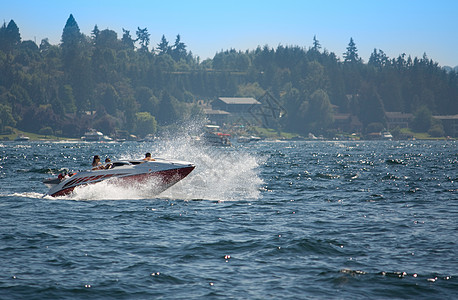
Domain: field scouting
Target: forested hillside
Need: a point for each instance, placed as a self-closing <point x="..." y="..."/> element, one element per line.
<point x="126" y="84"/>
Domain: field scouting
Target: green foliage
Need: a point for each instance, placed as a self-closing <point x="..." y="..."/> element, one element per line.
<point x="317" y="112"/>
<point x="6" y="117"/>
<point x="422" y="120"/>
<point x="178" y="50"/>
<point x="370" y="105"/>
<point x="144" y="38"/>
<point x="10" y="37"/>
<point x="250" y="90"/>
<point x="351" y="56"/>
<point x="163" y="47"/>
<point x="67" y="98"/>
<point x="105" y="81"/>
<point x="437" y="130"/>
<point x="167" y="114"/>
<point x="146" y="124"/>
<point x="46" y="131"/>
<point x="374" y="127"/>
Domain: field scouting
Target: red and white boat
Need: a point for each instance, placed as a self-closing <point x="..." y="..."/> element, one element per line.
<point x="160" y="173"/>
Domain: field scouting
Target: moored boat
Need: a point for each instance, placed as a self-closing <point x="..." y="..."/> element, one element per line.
<point x="212" y="136"/>
<point x="95" y="136"/>
<point x="22" y="138"/>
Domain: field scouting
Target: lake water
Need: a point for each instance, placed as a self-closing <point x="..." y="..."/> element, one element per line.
<point x="267" y="220"/>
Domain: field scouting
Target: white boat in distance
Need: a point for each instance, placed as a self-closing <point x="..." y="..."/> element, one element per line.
<point x="160" y="174"/>
<point x="22" y="138"/>
<point x="212" y="136"/>
<point x="95" y="136"/>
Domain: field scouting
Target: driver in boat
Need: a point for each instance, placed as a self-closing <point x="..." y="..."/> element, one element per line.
<point x="148" y="157"/>
<point x="108" y="164"/>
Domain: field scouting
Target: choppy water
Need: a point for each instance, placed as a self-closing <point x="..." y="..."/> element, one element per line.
<point x="288" y="220"/>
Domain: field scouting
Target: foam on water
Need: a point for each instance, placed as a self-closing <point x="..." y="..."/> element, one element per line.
<point x="103" y="191"/>
<point x="32" y="195"/>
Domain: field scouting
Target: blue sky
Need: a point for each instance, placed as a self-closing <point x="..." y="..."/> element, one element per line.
<point x="413" y="27"/>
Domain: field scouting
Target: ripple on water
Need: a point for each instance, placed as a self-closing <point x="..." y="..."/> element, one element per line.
<point x="273" y="220"/>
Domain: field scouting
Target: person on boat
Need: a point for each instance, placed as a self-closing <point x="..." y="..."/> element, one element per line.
<point x="96" y="161"/>
<point x="108" y="164"/>
<point x="96" y="164"/>
<point x="148" y="157"/>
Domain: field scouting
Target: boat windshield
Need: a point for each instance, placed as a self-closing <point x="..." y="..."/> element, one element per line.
<point x="120" y="163"/>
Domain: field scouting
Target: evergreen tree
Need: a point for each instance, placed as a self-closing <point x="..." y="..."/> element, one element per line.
<point x="371" y="106"/>
<point x="12" y="33"/>
<point x="178" y="49"/>
<point x="76" y="60"/>
<point x="144" y="38"/>
<point x="127" y="40"/>
<point x="45" y="45"/>
<point x="351" y="56"/>
<point x="167" y="109"/>
<point x="71" y="42"/>
<point x="71" y="35"/>
<point x="95" y="34"/>
<point x="163" y="47"/>
<point x="316" y="44"/>
<point x="10" y="37"/>
<point x="378" y="59"/>
<point x="3" y="37"/>
<point x="317" y="112"/>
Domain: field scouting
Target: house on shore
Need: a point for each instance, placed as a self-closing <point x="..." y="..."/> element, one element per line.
<point x="450" y="123"/>
<point x="397" y="119"/>
<point x="216" y="116"/>
<point x="239" y="109"/>
<point x="347" y="123"/>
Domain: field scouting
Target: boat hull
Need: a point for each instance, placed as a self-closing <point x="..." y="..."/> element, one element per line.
<point x="160" y="175"/>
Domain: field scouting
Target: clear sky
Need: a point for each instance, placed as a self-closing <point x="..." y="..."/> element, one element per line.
<point x="413" y="27"/>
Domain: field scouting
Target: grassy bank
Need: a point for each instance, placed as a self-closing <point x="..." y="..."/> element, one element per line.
<point x="32" y="136"/>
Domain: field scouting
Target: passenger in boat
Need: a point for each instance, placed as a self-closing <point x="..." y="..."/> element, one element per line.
<point x="96" y="161"/>
<point x="108" y="164"/>
<point x="148" y="157"/>
<point x="96" y="164"/>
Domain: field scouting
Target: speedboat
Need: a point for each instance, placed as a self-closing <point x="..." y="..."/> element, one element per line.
<point x="95" y="136"/>
<point x="159" y="173"/>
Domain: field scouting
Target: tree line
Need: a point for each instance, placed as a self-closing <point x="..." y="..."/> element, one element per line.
<point x="127" y="85"/>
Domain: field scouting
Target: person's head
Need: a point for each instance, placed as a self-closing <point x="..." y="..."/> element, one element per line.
<point x="107" y="160"/>
<point x="148" y="155"/>
<point x="96" y="159"/>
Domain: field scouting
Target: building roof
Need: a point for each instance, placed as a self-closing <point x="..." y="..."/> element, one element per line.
<point x="446" y="117"/>
<point x="338" y="116"/>
<point x="397" y="115"/>
<point x="239" y="100"/>
<point x="209" y="111"/>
